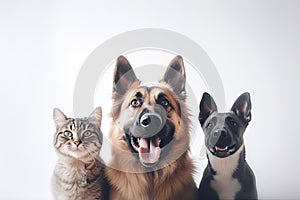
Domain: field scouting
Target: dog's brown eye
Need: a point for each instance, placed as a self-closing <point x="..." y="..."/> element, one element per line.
<point x="135" y="103"/>
<point x="68" y="133"/>
<point x="165" y="102"/>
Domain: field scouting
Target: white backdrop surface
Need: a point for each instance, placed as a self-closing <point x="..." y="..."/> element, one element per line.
<point x="254" y="45"/>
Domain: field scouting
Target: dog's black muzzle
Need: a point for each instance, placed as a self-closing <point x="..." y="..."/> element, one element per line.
<point x="220" y="137"/>
<point x="149" y="122"/>
<point x="221" y="143"/>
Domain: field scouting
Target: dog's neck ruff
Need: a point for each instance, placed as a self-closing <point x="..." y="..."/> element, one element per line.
<point x="223" y="182"/>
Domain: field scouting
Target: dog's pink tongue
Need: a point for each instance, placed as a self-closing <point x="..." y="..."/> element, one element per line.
<point x="149" y="153"/>
<point x="221" y="148"/>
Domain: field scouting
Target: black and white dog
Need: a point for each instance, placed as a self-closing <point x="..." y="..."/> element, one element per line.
<point x="227" y="175"/>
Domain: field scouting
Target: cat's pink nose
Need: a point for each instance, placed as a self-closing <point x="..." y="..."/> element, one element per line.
<point x="77" y="143"/>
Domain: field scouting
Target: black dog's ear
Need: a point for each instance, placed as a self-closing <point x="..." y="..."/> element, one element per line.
<point x="242" y="107"/>
<point x="207" y="106"/>
<point x="175" y="76"/>
<point x="124" y="76"/>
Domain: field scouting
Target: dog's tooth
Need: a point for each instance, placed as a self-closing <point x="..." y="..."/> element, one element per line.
<point x="158" y="140"/>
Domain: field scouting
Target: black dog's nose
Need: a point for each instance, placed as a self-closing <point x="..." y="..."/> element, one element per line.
<point x="224" y="133"/>
<point x="221" y="133"/>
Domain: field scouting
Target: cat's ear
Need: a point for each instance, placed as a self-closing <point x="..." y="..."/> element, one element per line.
<point x="124" y="76"/>
<point x="96" y="117"/>
<point x="59" y="118"/>
<point x="175" y="76"/>
<point x="206" y="107"/>
<point x="242" y="107"/>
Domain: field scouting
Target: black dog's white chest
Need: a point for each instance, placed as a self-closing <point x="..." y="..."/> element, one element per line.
<point x="223" y="181"/>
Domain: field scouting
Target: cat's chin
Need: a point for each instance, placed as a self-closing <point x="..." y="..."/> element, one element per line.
<point x="77" y="153"/>
<point x="82" y="156"/>
<point x="74" y="154"/>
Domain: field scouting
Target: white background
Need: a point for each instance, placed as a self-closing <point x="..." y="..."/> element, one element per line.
<point x="254" y="44"/>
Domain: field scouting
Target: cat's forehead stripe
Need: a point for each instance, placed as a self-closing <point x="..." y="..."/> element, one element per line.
<point x="77" y="124"/>
<point x="82" y="126"/>
<point x="71" y="125"/>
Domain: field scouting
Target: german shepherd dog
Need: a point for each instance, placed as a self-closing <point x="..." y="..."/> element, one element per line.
<point x="150" y="136"/>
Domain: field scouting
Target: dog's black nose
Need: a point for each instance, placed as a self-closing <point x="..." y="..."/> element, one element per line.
<point x="221" y="133"/>
<point x="148" y="123"/>
<point x="151" y="120"/>
<point x="224" y="133"/>
<point x="145" y="120"/>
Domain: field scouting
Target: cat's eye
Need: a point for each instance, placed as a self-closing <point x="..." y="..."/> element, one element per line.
<point x="136" y="103"/>
<point x="209" y="125"/>
<point x="68" y="134"/>
<point x="87" y="133"/>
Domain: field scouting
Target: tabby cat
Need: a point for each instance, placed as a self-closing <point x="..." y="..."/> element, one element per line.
<point x="79" y="172"/>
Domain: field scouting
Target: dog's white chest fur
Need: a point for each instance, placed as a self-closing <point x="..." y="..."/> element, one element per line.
<point x="224" y="184"/>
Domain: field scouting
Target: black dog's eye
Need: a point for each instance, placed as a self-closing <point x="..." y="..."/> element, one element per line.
<point x="165" y="102"/>
<point x="233" y="123"/>
<point x="209" y="125"/>
<point x="136" y="103"/>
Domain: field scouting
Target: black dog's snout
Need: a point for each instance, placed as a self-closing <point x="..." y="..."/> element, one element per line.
<point x="220" y="137"/>
<point x="221" y="133"/>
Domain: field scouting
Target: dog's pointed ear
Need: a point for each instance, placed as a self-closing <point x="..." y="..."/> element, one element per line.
<point x="175" y="76"/>
<point x="242" y="107"/>
<point x="96" y="117"/>
<point x="124" y="76"/>
<point x="59" y="118"/>
<point x="207" y="106"/>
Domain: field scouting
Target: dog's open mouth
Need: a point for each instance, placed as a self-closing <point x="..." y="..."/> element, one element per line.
<point x="148" y="148"/>
<point x="223" y="151"/>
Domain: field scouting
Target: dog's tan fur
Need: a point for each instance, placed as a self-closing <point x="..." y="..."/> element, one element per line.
<point x="172" y="177"/>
